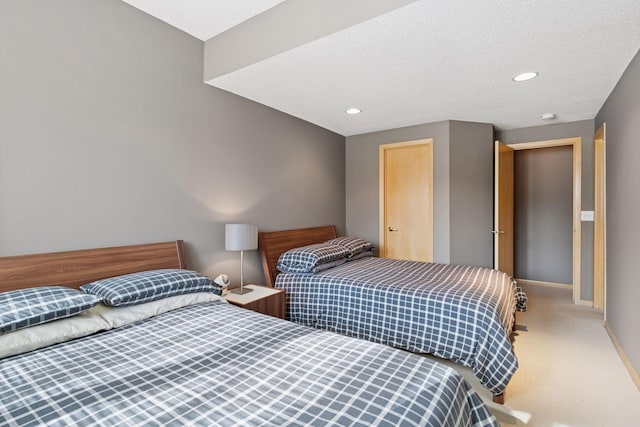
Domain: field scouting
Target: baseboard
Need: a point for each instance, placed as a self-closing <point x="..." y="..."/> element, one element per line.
<point x="627" y="363"/>
<point x="547" y="284"/>
<point x="586" y="303"/>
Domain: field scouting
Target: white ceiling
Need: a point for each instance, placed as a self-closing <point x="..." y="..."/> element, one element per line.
<point x="433" y="60"/>
<point x="203" y="19"/>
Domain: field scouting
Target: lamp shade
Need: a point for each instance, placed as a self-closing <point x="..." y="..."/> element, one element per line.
<point x="240" y="237"/>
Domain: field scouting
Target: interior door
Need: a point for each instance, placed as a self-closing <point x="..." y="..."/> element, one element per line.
<point x="406" y="200"/>
<point x="503" y="225"/>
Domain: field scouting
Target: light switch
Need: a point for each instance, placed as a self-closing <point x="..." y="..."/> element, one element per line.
<point x="587" y="216"/>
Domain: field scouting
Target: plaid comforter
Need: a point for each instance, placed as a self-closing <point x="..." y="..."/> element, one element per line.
<point x="217" y="364"/>
<point x="454" y="312"/>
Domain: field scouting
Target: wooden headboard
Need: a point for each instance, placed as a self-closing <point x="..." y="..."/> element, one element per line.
<point x="273" y="243"/>
<point x="75" y="268"/>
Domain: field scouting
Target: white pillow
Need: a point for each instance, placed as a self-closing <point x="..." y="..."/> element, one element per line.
<point x="98" y="318"/>
<point x="43" y="335"/>
<point x="123" y="315"/>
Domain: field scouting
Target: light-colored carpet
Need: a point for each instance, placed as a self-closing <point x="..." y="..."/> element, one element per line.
<point x="570" y="373"/>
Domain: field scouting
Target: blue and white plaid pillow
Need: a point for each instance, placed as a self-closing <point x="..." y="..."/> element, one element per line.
<point x="307" y="259"/>
<point x="29" y="307"/>
<point x="355" y="245"/>
<point x="150" y="285"/>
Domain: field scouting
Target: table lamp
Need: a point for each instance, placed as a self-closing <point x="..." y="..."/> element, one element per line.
<point x="241" y="237"/>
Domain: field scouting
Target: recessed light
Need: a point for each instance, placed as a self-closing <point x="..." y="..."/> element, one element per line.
<point x="525" y="76"/>
<point x="353" y="111"/>
<point x="548" y="116"/>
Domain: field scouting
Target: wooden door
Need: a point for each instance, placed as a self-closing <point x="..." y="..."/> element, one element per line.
<point x="599" y="226"/>
<point x="406" y="200"/>
<point x="503" y="225"/>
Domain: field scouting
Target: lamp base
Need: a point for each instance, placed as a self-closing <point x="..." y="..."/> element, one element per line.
<point x="241" y="290"/>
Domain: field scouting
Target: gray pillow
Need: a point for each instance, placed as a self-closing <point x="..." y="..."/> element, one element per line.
<point x="354" y="245"/>
<point x="150" y="285"/>
<point x="307" y="259"/>
<point x="33" y="306"/>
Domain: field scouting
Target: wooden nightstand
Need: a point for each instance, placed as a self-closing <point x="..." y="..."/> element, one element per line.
<point x="263" y="299"/>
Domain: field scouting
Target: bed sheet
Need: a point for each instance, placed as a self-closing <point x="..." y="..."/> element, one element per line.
<point x="218" y="364"/>
<point x="456" y="312"/>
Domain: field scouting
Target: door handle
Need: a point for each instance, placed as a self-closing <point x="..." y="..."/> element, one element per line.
<point x="498" y="232"/>
<point x="392" y="229"/>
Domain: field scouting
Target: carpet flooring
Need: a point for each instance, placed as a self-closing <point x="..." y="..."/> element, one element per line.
<point x="570" y="373"/>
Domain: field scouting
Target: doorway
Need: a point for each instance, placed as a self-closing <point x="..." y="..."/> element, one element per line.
<point x="500" y="242"/>
<point x="406" y="200"/>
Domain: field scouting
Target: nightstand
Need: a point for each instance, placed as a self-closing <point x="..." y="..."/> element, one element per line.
<point x="265" y="300"/>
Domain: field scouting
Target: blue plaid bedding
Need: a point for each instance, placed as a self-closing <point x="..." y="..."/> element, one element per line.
<point x="182" y="368"/>
<point x="454" y="312"/>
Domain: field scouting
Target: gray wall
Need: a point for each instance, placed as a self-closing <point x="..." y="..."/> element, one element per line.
<point x="585" y="130"/>
<point x="362" y="182"/>
<point x="471" y="193"/>
<point x="543" y="196"/>
<point x="109" y="136"/>
<point x="621" y="112"/>
<point x="463" y="172"/>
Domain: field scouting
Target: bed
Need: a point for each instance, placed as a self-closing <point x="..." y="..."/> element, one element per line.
<point x="208" y="362"/>
<point x="462" y="313"/>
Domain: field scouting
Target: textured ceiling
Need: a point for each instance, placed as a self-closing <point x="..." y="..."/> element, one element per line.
<point x="437" y="60"/>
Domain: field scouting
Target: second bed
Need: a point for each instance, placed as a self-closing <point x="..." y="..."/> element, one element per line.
<point x="461" y="313"/>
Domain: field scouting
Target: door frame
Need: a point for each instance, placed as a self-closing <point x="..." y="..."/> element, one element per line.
<point x="576" y="143"/>
<point x="600" y="224"/>
<point x="382" y="191"/>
